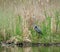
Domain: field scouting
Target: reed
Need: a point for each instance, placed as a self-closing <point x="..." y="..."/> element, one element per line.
<point x="48" y="36"/>
<point x="12" y="27"/>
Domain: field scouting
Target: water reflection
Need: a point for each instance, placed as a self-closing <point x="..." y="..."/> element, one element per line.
<point x="29" y="49"/>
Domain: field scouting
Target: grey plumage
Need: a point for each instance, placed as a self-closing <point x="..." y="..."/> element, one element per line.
<point x="37" y="29"/>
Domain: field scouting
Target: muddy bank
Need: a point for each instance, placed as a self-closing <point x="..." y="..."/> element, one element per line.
<point x="29" y="44"/>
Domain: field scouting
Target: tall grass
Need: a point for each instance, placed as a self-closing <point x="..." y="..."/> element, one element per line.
<point x="34" y="36"/>
<point x="19" y="28"/>
<point x="48" y="36"/>
<point x="12" y="27"/>
<point x="57" y="16"/>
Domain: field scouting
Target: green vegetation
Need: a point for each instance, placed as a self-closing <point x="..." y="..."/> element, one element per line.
<point x="12" y="27"/>
<point x="49" y="35"/>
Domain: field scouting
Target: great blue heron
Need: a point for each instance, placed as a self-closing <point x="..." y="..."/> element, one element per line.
<point x="38" y="30"/>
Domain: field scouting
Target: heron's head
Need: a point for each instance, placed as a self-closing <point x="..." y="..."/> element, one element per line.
<point x="35" y="26"/>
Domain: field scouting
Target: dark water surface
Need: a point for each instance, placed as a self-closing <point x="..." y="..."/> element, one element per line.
<point x="29" y="49"/>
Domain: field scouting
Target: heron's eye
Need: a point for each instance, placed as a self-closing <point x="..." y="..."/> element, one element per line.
<point x="35" y="26"/>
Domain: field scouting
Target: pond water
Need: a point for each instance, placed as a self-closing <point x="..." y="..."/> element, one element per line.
<point x="29" y="49"/>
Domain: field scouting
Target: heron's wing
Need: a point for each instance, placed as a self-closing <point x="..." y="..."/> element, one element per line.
<point x="38" y="30"/>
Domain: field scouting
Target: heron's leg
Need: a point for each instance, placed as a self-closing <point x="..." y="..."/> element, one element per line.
<point x="37" y="39"/>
